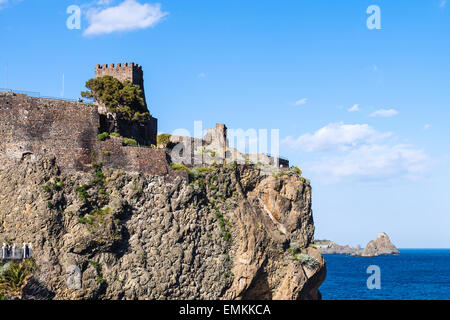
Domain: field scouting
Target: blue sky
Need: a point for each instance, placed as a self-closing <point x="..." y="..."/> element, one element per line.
<point x="363" y="112"/>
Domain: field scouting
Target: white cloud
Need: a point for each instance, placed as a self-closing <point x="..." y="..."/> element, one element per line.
<point x="335" y="136"/>
<point x="427" y="126"/>
<point x="201" y="75"/>
<point x="301" y="102"/>
<point x="127" y="16"/>
<point x="355" y="108"/>
<point x="372" y="162"/>
<point x="384" y="113"/>
<point x="5" y="3"/>
<point x="104" y="2"/>
<point x="358" y="152"/>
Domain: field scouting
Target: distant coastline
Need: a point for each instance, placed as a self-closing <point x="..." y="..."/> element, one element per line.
<point x="381" y="246"/>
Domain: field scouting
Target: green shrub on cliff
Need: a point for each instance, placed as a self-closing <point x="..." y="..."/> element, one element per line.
<point x="14" y="278"/>
<point x="122" y="98"/>
<point x="130" y="142"/>
<point x="297" y="171"/>
<point x="103" y="136"/>
<point x="99" y="175"/>
<point x="164" y="141"/>
<point x="83" y="195"/>
<point x="308" y="261"/>
<point x="179" y="166"/>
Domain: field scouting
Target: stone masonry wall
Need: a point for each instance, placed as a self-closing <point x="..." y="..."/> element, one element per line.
<point x="36" y="126"/>
<point x="149" y="161"/>
<point x="68" y="131"/>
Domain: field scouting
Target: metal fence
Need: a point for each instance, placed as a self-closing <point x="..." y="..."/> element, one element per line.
<point x="37" y="95"/>
<point x="15" y="253"/>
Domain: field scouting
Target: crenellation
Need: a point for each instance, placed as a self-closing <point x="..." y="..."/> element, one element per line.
<point x="122" y="71"/>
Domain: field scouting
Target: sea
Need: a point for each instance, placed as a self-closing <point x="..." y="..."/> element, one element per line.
<point x="415" y="274"/>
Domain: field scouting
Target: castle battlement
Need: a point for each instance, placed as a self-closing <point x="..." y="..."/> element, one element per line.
<point x="122" y="71"/>
<point x="118" y="66"/>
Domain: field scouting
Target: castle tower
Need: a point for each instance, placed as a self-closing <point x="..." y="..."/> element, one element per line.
<point x="144" y="132"/>
<point x="122" y="71"/>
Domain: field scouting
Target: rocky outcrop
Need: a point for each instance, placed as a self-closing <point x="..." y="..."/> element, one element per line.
<point x="329" y="247"/>
<point x="225" y="232"/>
<point x="381" y="246"/>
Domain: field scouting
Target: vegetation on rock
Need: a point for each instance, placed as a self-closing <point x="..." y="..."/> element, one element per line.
<point x="14" y="277"/>
<point x="130" y="142"/>
<point x="122" y="98"/>
<point x="163" y="140"/>
<point x="131" y="236"/>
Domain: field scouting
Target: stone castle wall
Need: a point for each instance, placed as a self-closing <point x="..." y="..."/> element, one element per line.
<point x="68" y="131"/>
<point x="36" y="126"/>
<point x="132" y="159"/>
<point x="145" y="132"/>
<point x="214" y="148"/>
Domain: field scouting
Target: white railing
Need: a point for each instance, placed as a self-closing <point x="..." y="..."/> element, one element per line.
<point x="13" y="252"/>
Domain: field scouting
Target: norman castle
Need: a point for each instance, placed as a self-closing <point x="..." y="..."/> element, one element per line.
<point x="69" y="131"/>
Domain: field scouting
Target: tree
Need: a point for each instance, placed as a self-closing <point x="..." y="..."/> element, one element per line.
<point x="122" y="98"/>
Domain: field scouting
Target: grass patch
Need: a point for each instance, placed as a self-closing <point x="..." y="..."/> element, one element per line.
<point x="14" y="277"/>
<point x="297" y="171"/>
<point x="98" y="268"/>
<point x="130" y="142"/>
<point x="83" y="195"/>
<point x="164" y="141"/>
<point x="99" y="176"/>
<point x="182" y="167"/>
<point x="103" y="136"/>
<point x="94" y="217"/>
<point x="224" y="225"/>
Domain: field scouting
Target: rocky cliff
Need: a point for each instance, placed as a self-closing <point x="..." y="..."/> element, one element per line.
<point x="381" y="246"/>
<point x="225" y="232"/>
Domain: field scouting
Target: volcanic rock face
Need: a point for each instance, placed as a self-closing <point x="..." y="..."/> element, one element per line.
<point x="381" y="246"/>
<point x="226" y="232"/>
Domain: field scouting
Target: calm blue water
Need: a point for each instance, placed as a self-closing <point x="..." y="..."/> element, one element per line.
<point x="414" y="274"/>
